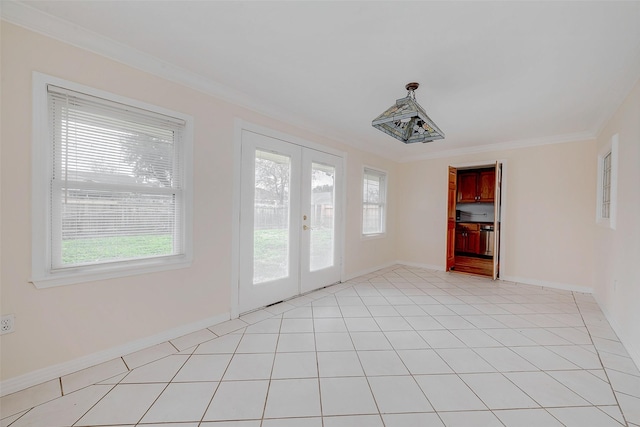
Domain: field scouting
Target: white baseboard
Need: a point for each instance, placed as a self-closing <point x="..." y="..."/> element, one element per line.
<point x="546" y="284"/>
<point x="49" y="373"/>
<point x="632" y="348"/>
<point x="420" y="265"/>
<point x="350" y="276"/>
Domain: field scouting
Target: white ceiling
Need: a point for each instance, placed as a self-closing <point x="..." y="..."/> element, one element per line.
<point x="505" y="73"/>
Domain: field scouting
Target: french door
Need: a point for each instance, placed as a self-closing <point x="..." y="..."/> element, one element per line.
<point x="290" y="220"/>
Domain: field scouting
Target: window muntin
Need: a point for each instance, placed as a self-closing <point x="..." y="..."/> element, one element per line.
<point x="607" y="184"/>
<point x="605" y="211"/>
<point x="111" y="190"/>
<point x="374" y="195"/>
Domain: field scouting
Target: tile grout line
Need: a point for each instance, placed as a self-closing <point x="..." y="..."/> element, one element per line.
<point x="409" y="371"/>
<point x="273" y="363"/>
<point x="215" y="391"/>
<point x="445" y="287"/>
<point x="315" y="345"/>
<point x="624" y="418"/>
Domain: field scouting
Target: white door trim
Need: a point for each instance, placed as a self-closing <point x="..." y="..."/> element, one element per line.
<point x="239" y="126"/>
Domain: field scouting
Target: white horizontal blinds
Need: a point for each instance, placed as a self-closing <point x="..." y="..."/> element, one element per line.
<point x="116" y="183"/>
<point x="373" y="202"/>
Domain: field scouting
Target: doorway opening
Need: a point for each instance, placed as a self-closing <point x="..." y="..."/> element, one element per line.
<point x="474" y="210"/>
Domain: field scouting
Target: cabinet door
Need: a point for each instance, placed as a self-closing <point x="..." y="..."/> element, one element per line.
<point x="473" y="242"/>
<point x="461" y="240"/>
<point x="467" y="187"/>
<point x="487" y="186"/>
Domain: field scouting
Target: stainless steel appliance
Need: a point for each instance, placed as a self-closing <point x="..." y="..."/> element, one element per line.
<point x="486" y="240"/>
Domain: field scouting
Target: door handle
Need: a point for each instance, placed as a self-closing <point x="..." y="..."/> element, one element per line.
<point x="305" y="228"/>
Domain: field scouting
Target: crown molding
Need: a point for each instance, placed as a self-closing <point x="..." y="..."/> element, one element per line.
<point x="33" y="19"/>
<point x="501" y="146"/>
<point x="40" y="22"/>
<point x="18" y="13"/>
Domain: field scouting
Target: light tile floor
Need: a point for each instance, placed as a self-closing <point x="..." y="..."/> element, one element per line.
<point x="400" y="347"/>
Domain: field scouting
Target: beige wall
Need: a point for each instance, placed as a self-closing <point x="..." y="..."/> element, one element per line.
<point x="549" y="227"/>
<point x="58" y="325"/>
<point x="548" y="219"/>
<point x="618" y="251"/>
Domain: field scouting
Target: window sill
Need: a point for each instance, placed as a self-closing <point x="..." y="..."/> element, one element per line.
<point x="606" y="223"/>
<point x="373" y="236"/>
<point x="94" y="273"/>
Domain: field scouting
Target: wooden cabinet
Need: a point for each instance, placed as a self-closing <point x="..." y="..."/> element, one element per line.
<point x="487" y="186"/>
<point x="476" y="186"/>
<point x="468" y="238"/>
<point x="461" y="242"/>
<point x="467" y="187"/>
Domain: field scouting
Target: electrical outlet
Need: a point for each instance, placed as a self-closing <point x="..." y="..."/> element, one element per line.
<point x="7" y="323"/>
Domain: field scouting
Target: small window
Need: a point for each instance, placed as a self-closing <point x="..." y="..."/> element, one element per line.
<point x="116" y="190"/>
<point x="374" y="202"/>
<point x="606" y="187"/>
<point x="607" y="180"/>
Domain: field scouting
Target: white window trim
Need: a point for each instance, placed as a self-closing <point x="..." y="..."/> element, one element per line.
<point x="610" y="147"/>
<point x="41" y="274"/>
<point x="371" y="236"/>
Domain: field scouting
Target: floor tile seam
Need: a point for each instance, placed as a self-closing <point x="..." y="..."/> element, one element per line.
<point x="93" y="406"/>
<point x="546" y="372"/>
<point x="223" y="374"/>
<point x="375" y="401"/>
<point x="273" y="364"/>
<point x="545" y="409"/>
<point x="62" y="394"/>
<point x="215" y="391"/>
<point x="160" y="394"/>
<point x="495" y="367"/>
<point x="636" y="375"/>
<point x="531" y="397"/>
<point x="615" y="354"/>
<point x="25" y="412"/>
<point x="403" y="363"/>
<point x="591" y="373"/>
<point x="605" y="413"/>
<point x="602" y="364"/>
<point x="315" y="345"/>
<point x="565" y="358"/>
<point x="625" y="393"/>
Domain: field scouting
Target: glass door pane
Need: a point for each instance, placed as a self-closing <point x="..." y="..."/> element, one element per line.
<point x="321" y="251"/>
<point x="320" y="240"/>
<point x="271" y="210"/>
<point x="269" y="244"/>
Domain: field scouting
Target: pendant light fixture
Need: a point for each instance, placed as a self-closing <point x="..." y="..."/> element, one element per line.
<point x="407" y="120"/>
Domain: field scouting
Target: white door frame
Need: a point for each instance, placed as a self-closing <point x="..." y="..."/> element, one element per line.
<point x="503" y="201"/>
<point x="239" y="126"/>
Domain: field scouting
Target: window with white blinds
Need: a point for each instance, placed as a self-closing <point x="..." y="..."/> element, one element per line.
<point x="116" y="184"/>
<point x="374" y="200"/>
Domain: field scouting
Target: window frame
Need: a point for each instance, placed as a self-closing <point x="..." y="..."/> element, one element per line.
<point x="384" y="195"/>
<point x="42" y="275"/>
<point x="609" y="149"/>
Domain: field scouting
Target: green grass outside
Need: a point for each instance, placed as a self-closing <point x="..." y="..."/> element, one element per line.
<point x="270" y="249"/>
<point x="81" y="251"/>
<point x="271" y="254"/>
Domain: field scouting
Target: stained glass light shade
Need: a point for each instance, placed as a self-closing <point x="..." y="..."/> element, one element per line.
<point x="407" y="121"/>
